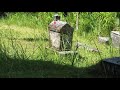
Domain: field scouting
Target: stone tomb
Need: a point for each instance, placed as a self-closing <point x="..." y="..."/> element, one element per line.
<point x="60" y="35"/>
<point x="112" y="66"/>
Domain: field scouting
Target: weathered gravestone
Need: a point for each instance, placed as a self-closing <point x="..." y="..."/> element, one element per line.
<point x="103" y="40"/>
<point x="60" y="37"/>
<point x="60" y="34"/>
<point x="115" y="35"/>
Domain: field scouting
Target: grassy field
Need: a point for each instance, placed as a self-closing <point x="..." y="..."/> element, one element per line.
<point x="25" y="52"/>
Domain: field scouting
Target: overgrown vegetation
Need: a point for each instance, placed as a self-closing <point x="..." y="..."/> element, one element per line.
<point x="25" y="52"/>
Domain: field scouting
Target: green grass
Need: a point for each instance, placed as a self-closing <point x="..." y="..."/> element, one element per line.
<point x="25" y="52"/>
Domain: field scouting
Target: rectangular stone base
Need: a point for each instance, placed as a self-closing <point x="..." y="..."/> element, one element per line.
<point x="67" y="52"/>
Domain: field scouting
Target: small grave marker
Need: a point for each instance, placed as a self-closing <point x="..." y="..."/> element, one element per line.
<point x="115" y="35"/>
<point x="103" y="40"/>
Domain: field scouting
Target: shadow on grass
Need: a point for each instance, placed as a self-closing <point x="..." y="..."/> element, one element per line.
<point x="11" y="68"/>
<point x="18" y="68"/>
<point x="35" y="39"/>
<point x="29" y="39"/>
